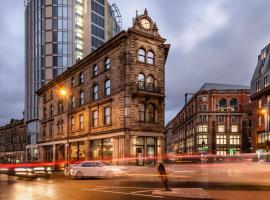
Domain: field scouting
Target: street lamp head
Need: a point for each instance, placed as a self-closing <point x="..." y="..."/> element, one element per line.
<point x="63" y="92"/>
<point x="263" y="111"/>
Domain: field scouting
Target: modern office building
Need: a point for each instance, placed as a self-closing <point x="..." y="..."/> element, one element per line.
<point x="109" y="105"/>
<point x="12" y="142"/>
<point x="260" y="98"/>
<point x="57" y="34"/>
<point x="214" y="120"/>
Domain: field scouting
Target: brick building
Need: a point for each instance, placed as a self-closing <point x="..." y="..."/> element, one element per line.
<point x="12" y="142"/>
<point x="260" y="98"/>
<point x="213" y="121"/>
<point x="113" y="107"/>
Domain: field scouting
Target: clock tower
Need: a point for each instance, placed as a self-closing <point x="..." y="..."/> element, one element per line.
<point x="145" y="24"/>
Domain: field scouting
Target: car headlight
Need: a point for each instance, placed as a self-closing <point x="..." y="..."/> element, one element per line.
<point x="49" y="169"/>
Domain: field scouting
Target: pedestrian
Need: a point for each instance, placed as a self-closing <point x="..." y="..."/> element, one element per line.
<point x="163" y="176"/>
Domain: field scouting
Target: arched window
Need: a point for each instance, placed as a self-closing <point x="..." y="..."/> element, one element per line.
<point x="107" y="87"/>
<point x="73" y="82"/>
<point x="95" y="92"/>
<point x="234" y="104"/>
<point x="141" y="81"/>
<point x="81" y="98"/>
<point x="81" y="78"/>
<point x="107" y="64"/>
<point x="73" y="103"/>
<point x="222" y="104"/>
<point x="150" y="83"/>
<point x="150" y="113"/>
<point x="95" y="70"/>
<point x="150" y="57"/>
<point x="141" y="112"/>
<point x="141" y="55"/>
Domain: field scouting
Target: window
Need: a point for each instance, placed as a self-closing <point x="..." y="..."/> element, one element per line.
<point x="221" y="128"/>
<point x="260" y="120"/>
<point x="81" y="98"/>
<point x="72" y="124"/>
<point x="81" y="78"/>
<point x="44" y="112"/>
<point x="202" y="128"/>
<point x="222" y="151"/>
<point x="257" y="86"/>
<point x="202" y="118"/>
<point x="107" y="88"/>
<point x="260" y="103"/>
<point x="201" y="139"/>
<point x="141" y="81"/>
<point x="95" y="70"/>
<point x="51" y="129"/>
<point x="141" y="112"/>
<point x="150" y="83"/>
<point x="107" y="64"/>
<point x="234" y="128"/>
<point x="234" y="119"/>
<point x="233" y="104"/>
<point x="141" y="55"/>
<point x="234" y="139"/>
<point x="202" y="98"/>
<point x="73" y="102"/>
<point x="107" y="115"/>
<point x="222" y="105"/>
<point x="95" y="92"/>
<point x="95" y="118"/>
<point x="81" y="122"/>
<point x="221" y="139"/>
<point x="203" y="107"/>
<point x="265" y="81"/>
<point x="60" y="106"/>
<point x="221" y="119"/>
<point x="73" y="82"/>
<point x="150" y="58"/>
<point x="51" y="111"/>
<point x="150" y="113"/>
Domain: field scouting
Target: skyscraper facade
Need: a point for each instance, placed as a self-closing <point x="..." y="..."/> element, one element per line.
<point x="57" y="34"/>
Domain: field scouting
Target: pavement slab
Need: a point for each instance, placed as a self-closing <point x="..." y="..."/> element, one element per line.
<point x="190" y="193"/>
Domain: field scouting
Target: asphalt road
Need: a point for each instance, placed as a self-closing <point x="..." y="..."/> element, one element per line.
<point x="246" y="181"/>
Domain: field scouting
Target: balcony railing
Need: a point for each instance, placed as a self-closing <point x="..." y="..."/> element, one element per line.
<point x="149" y="88"/>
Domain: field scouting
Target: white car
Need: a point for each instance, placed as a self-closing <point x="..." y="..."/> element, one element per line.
<point x="94" y="169"/>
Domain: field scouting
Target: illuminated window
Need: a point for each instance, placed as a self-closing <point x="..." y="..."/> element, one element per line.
<point x="81" y="122"/>
<point x="221" y="139"/>
<point x="221" y="128"/>
<point x="202" y="128"/>
<point x="234" y="139"/>
<point x="95" y="118"/>
<point x="72" y="124"/>
<point x="234" y="128"/>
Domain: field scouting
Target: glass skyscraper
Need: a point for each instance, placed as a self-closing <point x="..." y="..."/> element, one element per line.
<point x="57" y="34"/>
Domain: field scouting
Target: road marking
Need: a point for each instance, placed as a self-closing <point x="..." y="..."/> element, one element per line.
<point x="156" y="175"/>
<point x="184" y="171"/>
<point x="141" y="191"/>
<point x="125" y="193"/>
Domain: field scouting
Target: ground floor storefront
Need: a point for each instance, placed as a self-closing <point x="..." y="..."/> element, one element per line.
<point x="12" y="157"/>
<point x="135" y="148"/>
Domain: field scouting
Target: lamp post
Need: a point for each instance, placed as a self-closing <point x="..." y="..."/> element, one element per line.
<point x="64" y="93"/>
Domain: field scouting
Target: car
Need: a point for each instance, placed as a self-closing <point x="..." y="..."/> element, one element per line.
<point x="96" y="169"/>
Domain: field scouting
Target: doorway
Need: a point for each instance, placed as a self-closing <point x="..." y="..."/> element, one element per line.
<point x="139" y="155"/>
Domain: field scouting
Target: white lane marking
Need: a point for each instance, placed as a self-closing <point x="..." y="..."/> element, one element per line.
<point x="126" y="193"/>
<point x="184" y="171"/>
<point x="125" y="187"/>
<point x="141" y="191"/>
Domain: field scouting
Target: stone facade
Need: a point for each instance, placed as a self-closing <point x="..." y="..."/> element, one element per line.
<point x="213" y="121"/>
<point x="12" y="142"/>
<point x="114" y="111"/>
<point x="260" y="98"/>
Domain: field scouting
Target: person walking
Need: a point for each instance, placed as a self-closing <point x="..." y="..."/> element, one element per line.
<point x="163" y="176"/>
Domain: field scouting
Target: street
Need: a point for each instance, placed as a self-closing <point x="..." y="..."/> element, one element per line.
<point x="249" y="181"/>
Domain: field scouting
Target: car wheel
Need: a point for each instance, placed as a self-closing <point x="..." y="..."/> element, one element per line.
<point x="79" y="175"/>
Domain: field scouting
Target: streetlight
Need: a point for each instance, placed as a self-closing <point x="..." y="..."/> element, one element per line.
<point x="64" y="93"/>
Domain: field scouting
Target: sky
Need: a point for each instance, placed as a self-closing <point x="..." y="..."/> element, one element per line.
<point x="211" y="41"/>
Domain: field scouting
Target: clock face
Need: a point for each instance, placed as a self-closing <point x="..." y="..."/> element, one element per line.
<point x="145" y="23"/>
